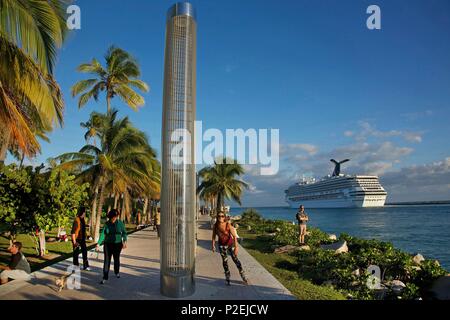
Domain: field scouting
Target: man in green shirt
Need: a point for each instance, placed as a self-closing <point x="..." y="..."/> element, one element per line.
<point x="114" y="238"/>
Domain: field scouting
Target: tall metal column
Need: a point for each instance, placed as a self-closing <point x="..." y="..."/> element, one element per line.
<point x="178" y="186"/>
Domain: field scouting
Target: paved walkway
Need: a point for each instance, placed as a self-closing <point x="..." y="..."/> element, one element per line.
<point x="140" y="276"/>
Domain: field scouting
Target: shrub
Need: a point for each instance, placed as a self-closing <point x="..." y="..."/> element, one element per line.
<point x="429" y="271"/>
<point x="31" y="199"/>
<point x="316" y="237"/>
<point x="288" y="234"/>
<point x="251" y="216"/>
<point x="324" y="266"/>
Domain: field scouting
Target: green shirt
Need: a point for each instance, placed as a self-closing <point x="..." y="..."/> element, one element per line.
<point x="113" y="233"/>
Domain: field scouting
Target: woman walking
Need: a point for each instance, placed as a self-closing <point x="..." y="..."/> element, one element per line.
<point x="228" y="244"/>
<point x="114" y="238"/>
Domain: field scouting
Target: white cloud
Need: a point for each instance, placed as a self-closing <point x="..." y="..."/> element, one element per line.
<point x="368" y="130"/>
<point x="296" y="147"/>
<point x="368" y="156"/>
<point x="419" y="182"/>
<point x="413" y="137"/>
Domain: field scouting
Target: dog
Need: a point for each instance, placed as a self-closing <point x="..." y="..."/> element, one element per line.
<point x="62" y="281"/>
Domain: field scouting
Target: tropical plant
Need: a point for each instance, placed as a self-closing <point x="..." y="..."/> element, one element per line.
<point x="33" y="201"/>
<point x="59" y="197"/>
<point x="251" y="215"/>
<point x="221" y="181"/>
<point x="30" y="99"/>
<point x="118" y="78"/>
<point x="15" y="195"/>
<point x="122" y="162"/>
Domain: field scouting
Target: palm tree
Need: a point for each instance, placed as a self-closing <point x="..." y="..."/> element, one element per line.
<point x="118" y="78"/>
<point x="30" y="99"/>
<point x="123" y="158"/>
<point x="220" y="181"/>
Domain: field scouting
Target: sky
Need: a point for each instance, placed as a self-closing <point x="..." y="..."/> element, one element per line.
<point x="311" y="69"/>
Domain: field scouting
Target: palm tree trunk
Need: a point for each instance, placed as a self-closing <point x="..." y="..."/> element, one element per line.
<point x="22" y="157"/>
<point x="109" y="201"/>
<point x="219" y="202"/>
<point x="122" y="213"/>
<point x="116" y="199"/>
<point x="108" y="102"/>
<point x="93" y="212"/>
<point x="99" y="212"/>
<point x="4" y="144"/>
<point x="144" y="210"/>
<point x="127" y="209"/>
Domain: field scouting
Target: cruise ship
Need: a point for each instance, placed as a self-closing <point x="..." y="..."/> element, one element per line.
<point x="337" y="191"/>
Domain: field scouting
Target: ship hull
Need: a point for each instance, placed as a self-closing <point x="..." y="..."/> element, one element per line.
<point x="339" y="203"/>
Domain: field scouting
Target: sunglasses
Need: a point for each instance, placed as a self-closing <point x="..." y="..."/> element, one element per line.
<point x="221" y="216"/>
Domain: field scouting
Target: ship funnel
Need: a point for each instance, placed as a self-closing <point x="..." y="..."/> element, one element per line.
<point x="337" y="167"/>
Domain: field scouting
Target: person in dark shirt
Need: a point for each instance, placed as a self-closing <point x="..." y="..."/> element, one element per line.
<point x="158" y="222"/>
<point x="18" y="268"/>
<point x="302" y="219"/>
<point x="79" y="238"/>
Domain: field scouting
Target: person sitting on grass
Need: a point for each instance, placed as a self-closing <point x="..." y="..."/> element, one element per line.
<point x="18" y="268"/>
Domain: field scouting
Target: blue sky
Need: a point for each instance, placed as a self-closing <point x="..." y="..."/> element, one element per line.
<point x="310" y="68"/>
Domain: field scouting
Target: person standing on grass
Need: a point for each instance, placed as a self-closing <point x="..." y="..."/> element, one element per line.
<point x="114" y="238"/>
<point x="79" y="238"/>
<point x="18" y="268"/>
<point x="302" y="219"/>
<point x="228" y="244"/>
<point x="158" y="222"/>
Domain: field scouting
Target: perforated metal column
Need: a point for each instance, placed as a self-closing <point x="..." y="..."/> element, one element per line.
<point x="178" y="197"/>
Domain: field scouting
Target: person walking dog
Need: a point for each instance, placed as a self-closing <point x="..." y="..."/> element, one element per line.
<point x="79" y="238"/>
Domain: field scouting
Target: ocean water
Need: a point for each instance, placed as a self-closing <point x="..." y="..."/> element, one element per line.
<point x="421" y="229"/>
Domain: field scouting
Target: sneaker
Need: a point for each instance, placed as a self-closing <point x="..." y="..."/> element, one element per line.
<point x="87" y="269"/>
<point x="228" y="282"/>
<point x="103" y="281"/>
<point x="245" y="280"/>
<point x="118" y="275"/>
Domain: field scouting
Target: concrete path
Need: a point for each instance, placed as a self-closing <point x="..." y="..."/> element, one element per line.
<point x="140" y="276"/>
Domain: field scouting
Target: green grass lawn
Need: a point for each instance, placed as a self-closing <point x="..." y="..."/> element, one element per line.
<point x="57" y="251"/>
<point x="282" y="267"/>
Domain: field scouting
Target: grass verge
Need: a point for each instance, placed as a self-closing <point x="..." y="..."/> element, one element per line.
<point x="282" y="267"/>
<point x="57" y="251"/>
